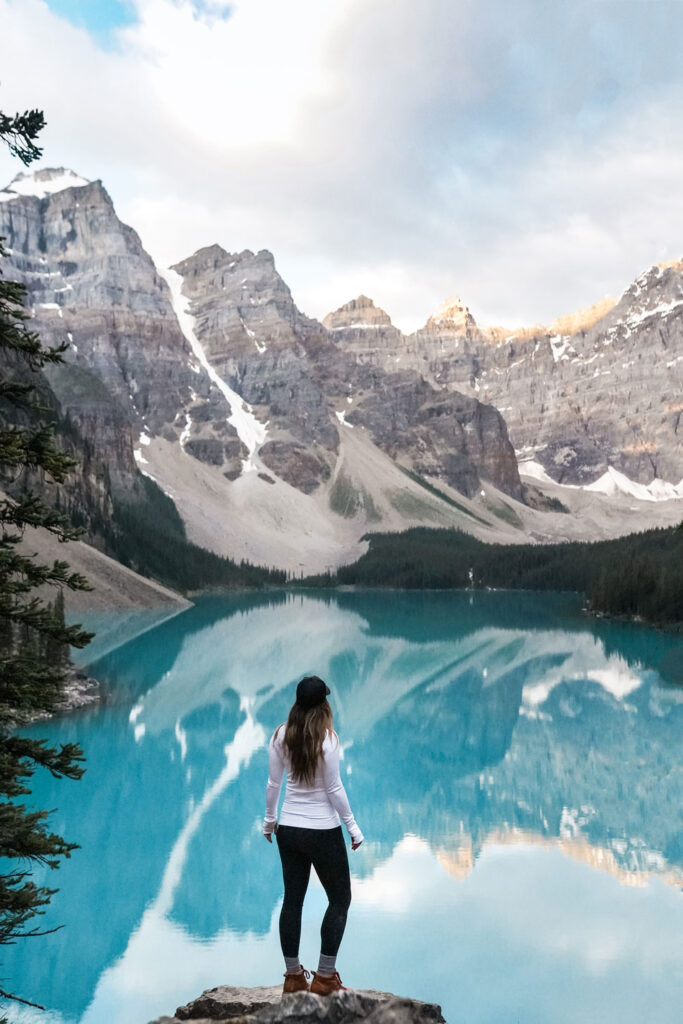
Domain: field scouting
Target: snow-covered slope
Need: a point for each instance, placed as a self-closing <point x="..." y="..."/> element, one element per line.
<point x="614" y="482"/>
<point x="611" y="483"/>
<point x="250" y="430"/>
<point x="42" y="183"/>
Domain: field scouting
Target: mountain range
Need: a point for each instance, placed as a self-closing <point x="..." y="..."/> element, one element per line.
<point x="283" y="440"/>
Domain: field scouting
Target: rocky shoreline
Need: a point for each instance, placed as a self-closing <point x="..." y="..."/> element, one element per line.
<point x="267" y="1005"/>
<point x="80" y="691"/>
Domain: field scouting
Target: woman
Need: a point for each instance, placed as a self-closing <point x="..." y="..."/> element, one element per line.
<point x="309" y="833"/>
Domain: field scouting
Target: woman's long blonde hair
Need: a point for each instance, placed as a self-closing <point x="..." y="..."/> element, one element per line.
<point x="305" y="732"/>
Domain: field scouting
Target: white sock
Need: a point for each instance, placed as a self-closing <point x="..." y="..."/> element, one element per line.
<point x="327" y="964"/>
<point x="292" y="965"/>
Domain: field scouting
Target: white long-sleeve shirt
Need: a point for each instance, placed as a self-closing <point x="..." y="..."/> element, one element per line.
<point x="319" y="804"/>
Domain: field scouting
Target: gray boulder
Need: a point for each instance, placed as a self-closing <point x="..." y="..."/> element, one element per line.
<point x="268" y="1006"/>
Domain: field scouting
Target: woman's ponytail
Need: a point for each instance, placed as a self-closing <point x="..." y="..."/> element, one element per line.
<point x="305" y="733"/>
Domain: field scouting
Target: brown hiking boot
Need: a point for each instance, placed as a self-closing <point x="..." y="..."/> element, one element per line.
<point x="296" y="982"/>
<point x="326" y="984"/>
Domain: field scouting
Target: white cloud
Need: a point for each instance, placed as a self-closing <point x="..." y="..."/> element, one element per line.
<point x="236" y="84"/>
<point x="582" y="223"/>
<point x="528" y="161"/>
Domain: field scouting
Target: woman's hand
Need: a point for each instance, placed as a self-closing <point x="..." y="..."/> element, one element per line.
<point x="268" y="836"/>
<point x="355" y="845"/>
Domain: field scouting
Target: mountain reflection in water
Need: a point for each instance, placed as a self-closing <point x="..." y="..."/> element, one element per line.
<point x="515" y="768"/>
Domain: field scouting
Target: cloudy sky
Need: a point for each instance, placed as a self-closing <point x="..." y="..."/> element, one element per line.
<point x="526" y="155"/>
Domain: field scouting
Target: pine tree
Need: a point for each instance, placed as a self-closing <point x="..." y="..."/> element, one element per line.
<point x="31" y="630"/>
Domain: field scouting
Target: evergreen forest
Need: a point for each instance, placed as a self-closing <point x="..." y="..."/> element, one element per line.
<point x="149" y="536"/>
<point x="640" y="575"/>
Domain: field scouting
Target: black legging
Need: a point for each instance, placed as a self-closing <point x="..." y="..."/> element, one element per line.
<point x="325" y="850"/>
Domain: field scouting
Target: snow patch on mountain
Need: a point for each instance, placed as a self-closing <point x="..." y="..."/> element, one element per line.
<point x="251" y="431"/>
<point x="534" y="469"/>
<point x="611" y="483"/>
<point x="663" y="309"/>
<point x="260" y="346"/>
<point x="42" y="183"/>
<point x="561" y="348"/>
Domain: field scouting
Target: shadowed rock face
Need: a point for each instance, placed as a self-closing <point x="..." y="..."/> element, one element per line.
<point x="268" y="1006"/>
<point x="90" y="426"/>
<point x="590" y="391"/>
<point x="103" y="437"/>
<point x="448" y="435"/>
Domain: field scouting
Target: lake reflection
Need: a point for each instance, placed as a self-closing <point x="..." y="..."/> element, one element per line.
<point x="515" y="768"/>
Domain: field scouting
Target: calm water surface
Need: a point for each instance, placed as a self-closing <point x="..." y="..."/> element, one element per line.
<point x="515" y="767"/>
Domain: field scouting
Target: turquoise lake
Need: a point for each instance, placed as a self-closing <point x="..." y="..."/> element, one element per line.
<point x="515" y="767"/>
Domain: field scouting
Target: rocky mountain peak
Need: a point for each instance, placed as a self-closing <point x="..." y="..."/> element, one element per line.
<point x="654" y="300"/>
<point x="90" y="283"/>
<point x="675" y="263"/>
<point x="661" y="283"/>
<point x="359" y="313"/>
<point x="238" y="274"/>
<point x="452" y="314"/>
<point x="581" y="319"/>
<point x="241" y="304"/>
<point x="42" y="183"/>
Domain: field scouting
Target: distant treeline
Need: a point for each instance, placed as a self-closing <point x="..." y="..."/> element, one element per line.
<point x="638" y="575"/>
<point x="148" y="535"/>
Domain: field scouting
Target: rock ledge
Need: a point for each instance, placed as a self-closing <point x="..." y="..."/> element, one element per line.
<point x="268" y="1006"/>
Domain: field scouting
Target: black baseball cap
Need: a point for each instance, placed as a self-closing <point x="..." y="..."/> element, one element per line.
<point x="310" y="692"/>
